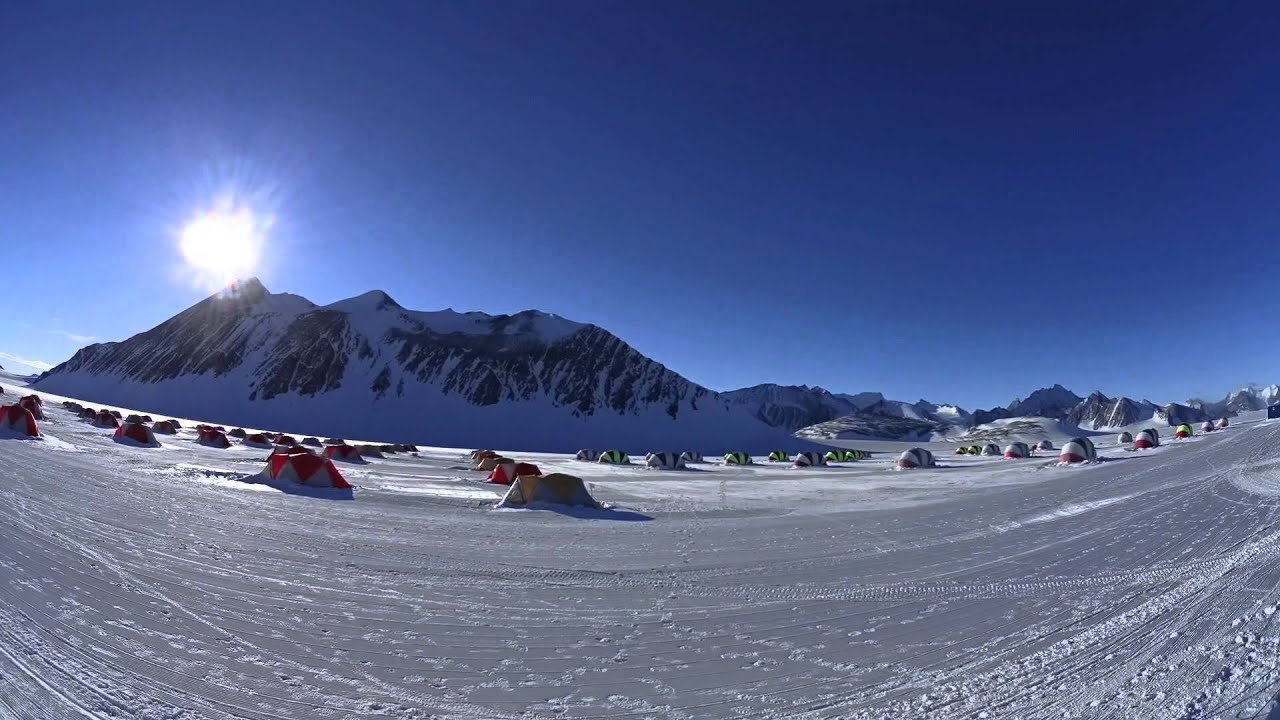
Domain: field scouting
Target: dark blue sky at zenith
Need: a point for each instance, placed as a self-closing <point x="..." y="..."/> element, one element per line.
<point x="961" y="201"/>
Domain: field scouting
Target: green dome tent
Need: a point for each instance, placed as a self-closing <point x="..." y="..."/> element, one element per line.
<point x="614" y="457"/>
<point x="779" y="456"/>
<point x="1183" y="431"/>
<point x="737" y="458"/>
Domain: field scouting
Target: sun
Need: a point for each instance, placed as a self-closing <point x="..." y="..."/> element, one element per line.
<point x="223" y="245"/>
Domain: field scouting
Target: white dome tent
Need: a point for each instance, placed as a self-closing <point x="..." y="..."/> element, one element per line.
<point x="1125" y="438"/>
<point x="915" y="458"/>
<point x="665" y="461"/>
<point x="1017" y="451"/>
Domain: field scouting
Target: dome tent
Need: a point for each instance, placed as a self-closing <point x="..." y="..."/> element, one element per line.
<point x="346" y="453"/>
<point x="256" y="440"/>
<point x="1078" y="450"/>
<point x="281" y="439"/>
<point x="1147" y="439"/>
<point x="304" y="468"/>
<point x="313" y="442"/>
<point x="614" y="457"/>
<point x="135" y="433"/>
<point x="292" y="450"/>
<point x="991" y="450"/>
<point x="88" y="413"/>
<point x="33" y="405"/>
<point x="489" y="463"/>
<point x="506" y="473"/>
<point x="665" y="460"/>
<point x="737" y="458"/>
<point x="18" y="419"/>
<point x="135" y="418"/>
<point x="587" y="455"/>
<point x="105" y="419"/>
<point x="1125" y="438"/>
<point x="553" y="489"/>
<point x="239" y="433"/>
<point x="1207" y="427"/>
<point x="1017" y="451"/>
<point x="214" y="439"/>
<point x="691" y="456"/>
<point x="370" y="451"/>
<point x="1223" y="424"/>
<point x="117" y="414"/>
<point x="810" y="459"/>
<point x="973" y="450"/>
<point x="779" y="456"/>
<point x="845" y="455"/>
<point x="165" y="427"/>
<point x="335" y="441"/>
<point x="1183" y="432"/>
<point x="915" y="458"/>
<point x="1044" y="445"/>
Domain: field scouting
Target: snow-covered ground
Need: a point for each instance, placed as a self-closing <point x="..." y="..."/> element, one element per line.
<point x="153" y="583"/>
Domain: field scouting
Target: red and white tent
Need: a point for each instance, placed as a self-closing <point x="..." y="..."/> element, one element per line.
<point x="136" y="434"/>
<point x="507" y="473"/>
<point x="1147" y="439"/>
<point x="1017" y="451"/>
<point x="343" y="453"/>
<point x="105" y="419"/>
<point x="1078" y="450"/>
<point x="19" y="420"/>
<point x="214" y="439"/>
<point x="33" y="404"/>
<point x="915" y="458"/>
<point x="305" y="468"/>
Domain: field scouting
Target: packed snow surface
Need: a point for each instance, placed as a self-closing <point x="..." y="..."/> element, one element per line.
<point x="155" y="583"/>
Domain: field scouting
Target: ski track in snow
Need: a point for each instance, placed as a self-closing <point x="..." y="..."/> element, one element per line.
<point x="152" y="583"/>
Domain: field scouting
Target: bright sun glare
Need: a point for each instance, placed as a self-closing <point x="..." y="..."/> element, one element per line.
<point x="223" y="245"/>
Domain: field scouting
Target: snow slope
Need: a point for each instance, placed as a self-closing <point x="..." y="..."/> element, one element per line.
<point x="153" y="583"/>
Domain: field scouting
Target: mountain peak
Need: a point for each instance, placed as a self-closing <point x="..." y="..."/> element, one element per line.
<point x="372" y="301"/>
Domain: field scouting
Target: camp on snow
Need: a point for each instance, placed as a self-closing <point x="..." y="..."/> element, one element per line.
<point x="614" y="457"/>
<point x="1078" y="450"/>
<point x="737" y="458"/>
<point x="1017" y="451"/>
<point x="349" y="454"/>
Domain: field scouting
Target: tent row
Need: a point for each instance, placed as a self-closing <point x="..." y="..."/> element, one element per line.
<point x="529" y="486"/>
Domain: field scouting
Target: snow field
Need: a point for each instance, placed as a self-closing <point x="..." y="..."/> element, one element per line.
<point x="153" y="583"/>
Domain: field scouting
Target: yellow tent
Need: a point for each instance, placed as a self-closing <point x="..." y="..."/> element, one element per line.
<point x="554" y="489"/>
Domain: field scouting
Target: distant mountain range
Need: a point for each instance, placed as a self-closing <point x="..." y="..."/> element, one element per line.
<point x="368" y="368"/>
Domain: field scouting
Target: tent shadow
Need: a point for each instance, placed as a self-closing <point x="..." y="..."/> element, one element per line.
<point x="590" y="513"/>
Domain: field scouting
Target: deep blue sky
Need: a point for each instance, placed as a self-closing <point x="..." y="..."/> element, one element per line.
<point x="962" y="201"/>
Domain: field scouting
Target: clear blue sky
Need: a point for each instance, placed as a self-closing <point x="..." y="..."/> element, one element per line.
<point x="961" y="201"/>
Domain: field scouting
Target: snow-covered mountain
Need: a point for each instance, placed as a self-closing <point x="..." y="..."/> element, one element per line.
<point x="1099" y="412"/>
<point x="1052" y="402"/>
<point x="791" y="406"/>
<point x="367" y="368"/>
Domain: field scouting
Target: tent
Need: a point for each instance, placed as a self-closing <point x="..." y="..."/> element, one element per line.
<point x="19" y="419"/>
<point x="779" y="456"/>
<point x="1147" y="439"/>
<point x="991" y="450"/>
<point x="88" y="413"/>
<point x="737" y="458"/>
<point x="845" y="455"/>
<point x="962" y="450"/>
<point x="665" y="460"/>
<point x="214" y="439"/>
<point x="335" y="441"/>
<point x="915" y="458"/>
<point x="489" y="463"/>
<point x="105" y="419"/>
<point x="1044" y="445"/>
<point x="34" y="398"/>
<point x="614" y="457"/>
<point x="345" y="453"/>
<point x="1207" y="427"/>
<point x="1078" y="450"/>
<point x="256" y="440"/>
<point x="284" y="440"/>
<point x="305" y="468"/>
<point x="553" y="489"/>
<point x="1017" y="451"/>
<point x="810" y="459"/>
<point x="136" y="433"/>
<point x="1125" y="438"/>
<point x="239" y="433"/>
<point x="291" y="450"/>
<point x="1223" y="424"/>
<point x="33" y="405"/>
<point x="506" y="473"/>
<point x="370" y="451"/>
<point x="1183" y="431"/>
<point x="135" y="419"/>
<point x="387" y="448"/>
<point x="974" y="450"/>
<point x="313" y="442"/>
<point x="147" y="419"/>
<point x="691" y="456"/>
<point x="587" y="455"/>
<point x="117" y="414"/>
<point x="176" y="424"/>
<point x="165" y="427"/>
